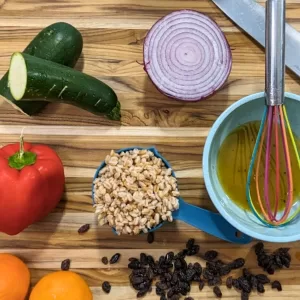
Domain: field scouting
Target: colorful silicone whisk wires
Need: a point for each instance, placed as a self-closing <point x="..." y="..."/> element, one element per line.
<point x="275" y="124"/>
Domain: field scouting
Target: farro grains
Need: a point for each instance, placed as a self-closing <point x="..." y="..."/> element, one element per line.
<point x="134" y="192"/>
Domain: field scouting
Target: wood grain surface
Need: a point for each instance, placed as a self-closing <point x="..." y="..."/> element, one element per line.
<point x="113" y="32"/>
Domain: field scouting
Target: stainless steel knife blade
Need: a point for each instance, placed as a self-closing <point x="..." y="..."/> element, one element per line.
<point x="250" y="16"/>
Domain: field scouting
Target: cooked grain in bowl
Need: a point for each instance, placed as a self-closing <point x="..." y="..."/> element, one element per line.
<point x="135" y="192"/>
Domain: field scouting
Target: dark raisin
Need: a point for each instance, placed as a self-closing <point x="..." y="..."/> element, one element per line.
<point x="106" y="287"/>
<point x="193" y="251"/>
<point x="244" y="285"/>
<point x="253" y="282"/>
<point x="182" y="275"/>
<point x="237" y="263"/>
<point x="283" y="250"/>
<point x="132" y="258"/>
<point x="197" y="267"/>
<point x="285" y="261"/>
<point x="245" y="295"/>
<point x="65" y="264"/>
<point x="150" y="274"/>
<point x="163" y="297"/>
<point x="168" y="277"/>
<point x="150" y="237"/>
<point x="190" y="243"/>
<point x="161" y="285"/>
<point x="134" y="264"/>
<point x="169" y="257"/>
<point x="229" y="282"/>
<point x="171" y="292"/>
<point x="139" y="272"/>
<point x="84" y="228"/>
<point x="142" y="293"/>
<point x="104" y="260"/>
<point x="161" y="260"/>
<point x="150" y="261"/>
<point x="214" y="281"/>
<point x="177" y="264"/>
<point x="207" y="274"/>
<point x="259" y="248"/>
<point x="188" y="298"/>
<point x="174" y="279"/>
<point x="212" y="266"/>
<point x="262" y="278"/>
<point x="235" y="284"/>
<point x="217" y="292"/>
<point x="190" y="273"/>
<point x="135" y="280"/>
<point x="271" y="270"/>
<point x="159" y="292"/>
<point x="220" y="263"/>
<point x="115" y="258"/>
<point x="225" y="270"/>
<point x="201" y="285"/>
<point x="260" y="287"/>
<point x="210" y="255"/>
<point x="246" y="273"/>
<point x="277" y="285"/>
<point x="175" y="297"/>
<point x="143" y="259"/>
<point x="278" y="261"/>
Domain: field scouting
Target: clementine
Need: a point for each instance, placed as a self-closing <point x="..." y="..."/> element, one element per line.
<point x="14" y="278"/>
<point x="61" y="285"/>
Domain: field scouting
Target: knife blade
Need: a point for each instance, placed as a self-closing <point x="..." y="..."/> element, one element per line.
<point x="250" y="16"/>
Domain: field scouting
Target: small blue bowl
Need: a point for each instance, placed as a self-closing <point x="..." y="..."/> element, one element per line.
<point x="202" y="219"/>
<point x="245" y="110"/>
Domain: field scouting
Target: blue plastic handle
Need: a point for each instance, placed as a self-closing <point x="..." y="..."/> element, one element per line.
<point x="210" y="222"/>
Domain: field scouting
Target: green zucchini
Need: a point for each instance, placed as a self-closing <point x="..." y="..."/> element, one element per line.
<point x="31" y="78"/>
<point x="59" y="42"/>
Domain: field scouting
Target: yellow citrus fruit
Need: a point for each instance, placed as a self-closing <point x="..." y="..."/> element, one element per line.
<point x="14" y="278"/>
<point x="61" y="285"/>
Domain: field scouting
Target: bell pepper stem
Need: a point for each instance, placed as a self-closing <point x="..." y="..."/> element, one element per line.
<point x="21" y="152"/>
<point x="22" y="158"/>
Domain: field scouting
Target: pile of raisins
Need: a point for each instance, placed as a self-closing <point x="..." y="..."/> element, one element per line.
<point x="174" y="276"/>
<point x="249" y="282"/>
<point x="274" y="261"/>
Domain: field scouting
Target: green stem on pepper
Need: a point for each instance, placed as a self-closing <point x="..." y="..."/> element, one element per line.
<point x="22" y="158"/>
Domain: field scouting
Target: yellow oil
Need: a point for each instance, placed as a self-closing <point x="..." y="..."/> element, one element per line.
<point x="233" y="164"/>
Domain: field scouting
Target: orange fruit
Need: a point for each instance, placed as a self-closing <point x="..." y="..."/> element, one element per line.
<point x="61" y="285"/>
<point x="14" y="278"/>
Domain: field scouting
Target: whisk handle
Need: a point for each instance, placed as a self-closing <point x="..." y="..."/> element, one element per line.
<point x="275" y="52"/>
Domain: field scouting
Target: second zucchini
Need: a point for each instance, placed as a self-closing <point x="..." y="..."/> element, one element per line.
<point x="32" y="78"/>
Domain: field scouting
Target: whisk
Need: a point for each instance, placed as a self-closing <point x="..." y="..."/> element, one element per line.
<point x="274" y="123"/>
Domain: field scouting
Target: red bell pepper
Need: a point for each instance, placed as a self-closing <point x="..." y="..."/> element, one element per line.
<point x="31" y="185"/>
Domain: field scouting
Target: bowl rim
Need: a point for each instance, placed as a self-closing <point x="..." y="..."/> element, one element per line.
<point x="206" y="171"/>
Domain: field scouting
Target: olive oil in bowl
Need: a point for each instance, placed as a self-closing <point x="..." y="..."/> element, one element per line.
<point x="233" y="163"/>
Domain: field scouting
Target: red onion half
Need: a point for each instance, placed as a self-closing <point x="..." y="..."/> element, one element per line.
<point x="186" y="55"/>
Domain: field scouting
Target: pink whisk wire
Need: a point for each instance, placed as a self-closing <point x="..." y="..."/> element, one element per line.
<point x="277" y="162"/>
<point x="268" y="161"/>
<point x="287" y="158"/>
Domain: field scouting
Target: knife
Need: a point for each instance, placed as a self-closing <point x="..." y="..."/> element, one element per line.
<point x="250" y="16"/>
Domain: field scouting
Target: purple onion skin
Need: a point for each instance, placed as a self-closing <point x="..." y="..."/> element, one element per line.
<point x="201" y="98"/>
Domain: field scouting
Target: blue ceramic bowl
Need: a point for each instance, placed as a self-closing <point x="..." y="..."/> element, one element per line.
<point x="245" y="110"/>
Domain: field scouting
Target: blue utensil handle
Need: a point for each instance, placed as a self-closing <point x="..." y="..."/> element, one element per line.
<point x="209" y="222"/>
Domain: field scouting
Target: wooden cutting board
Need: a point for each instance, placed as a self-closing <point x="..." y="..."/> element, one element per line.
<point x="113" y="32"/>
